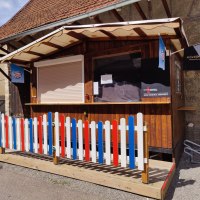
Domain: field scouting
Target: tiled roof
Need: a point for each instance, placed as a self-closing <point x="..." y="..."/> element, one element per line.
<point x="40" y="12"/>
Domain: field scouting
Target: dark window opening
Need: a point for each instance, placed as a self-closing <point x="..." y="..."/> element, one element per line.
<point x="118" y="78"/>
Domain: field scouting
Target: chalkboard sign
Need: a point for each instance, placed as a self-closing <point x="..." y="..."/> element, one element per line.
<point x="192" y="58"/>
<point x="155" y="82"/>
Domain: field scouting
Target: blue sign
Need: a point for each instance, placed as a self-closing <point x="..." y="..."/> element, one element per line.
<point x="161" y="54"/>
<point x="17" y="74"/>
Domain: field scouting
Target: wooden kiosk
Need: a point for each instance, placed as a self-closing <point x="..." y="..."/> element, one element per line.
<point x="75" y="70"/>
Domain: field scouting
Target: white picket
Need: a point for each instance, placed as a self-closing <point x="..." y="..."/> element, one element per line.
<point x="3" y="131"/>
<point x="57" y="143"/>
<point x="123" y="142"/>
<point x="93" y="141"/>
<point x="107" y="143"/>
<point x="35" y="133"/>
<point x="26" y="133"/>
<point x="68" y="134"/>
<point x="18" y="134"/>
<point x="45" y="146"/>
<point x="80" y="139"/>
<point x="140" y="141"/>
<point x="10" y="132"/>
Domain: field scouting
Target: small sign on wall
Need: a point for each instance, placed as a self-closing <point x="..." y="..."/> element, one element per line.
<point x="96" y="88"/>
<point x="17" y="74"/>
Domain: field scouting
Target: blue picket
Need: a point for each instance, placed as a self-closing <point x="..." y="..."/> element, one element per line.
<point x="74" y="142"/>
<point x="31" y="134"/>
<point x="50" y="133"/>
<point x="14" y="134"/>
<point x="131" y="135"/>
<point x="100" y="142"/>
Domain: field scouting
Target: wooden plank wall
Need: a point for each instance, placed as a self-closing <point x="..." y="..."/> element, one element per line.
<point x="158" y="117"/>
<point x="178" y="120"/>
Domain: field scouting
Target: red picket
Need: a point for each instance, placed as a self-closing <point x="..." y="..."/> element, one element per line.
<point x="62" y="132"/>
<point x="115" y="142"/>
<point x="87" y="141"/>
<point x="40" y="133"/>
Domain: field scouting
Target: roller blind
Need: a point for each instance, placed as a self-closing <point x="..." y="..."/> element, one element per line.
<point x="61" y="83"/>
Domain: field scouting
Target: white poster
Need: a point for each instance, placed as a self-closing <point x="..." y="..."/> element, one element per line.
<point x="106" y="79"/>
<point x="96" y="88"/>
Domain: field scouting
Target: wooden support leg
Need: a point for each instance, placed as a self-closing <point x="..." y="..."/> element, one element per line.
<point x="55" y="158"/>
<point x="2" y="150"/>
<point x="145" y="173"/>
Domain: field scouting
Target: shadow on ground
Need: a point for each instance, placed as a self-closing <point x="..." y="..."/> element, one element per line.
<point x="155" y="174"/>
<point x="179" y="182"/>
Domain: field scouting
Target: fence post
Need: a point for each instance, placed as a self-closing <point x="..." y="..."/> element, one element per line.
<point x="2" y="150"/>
<point x="145" y="172"/>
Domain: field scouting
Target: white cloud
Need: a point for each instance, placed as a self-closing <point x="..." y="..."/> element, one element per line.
<point x="5" y="5"/>
<point x="8" y="8"/>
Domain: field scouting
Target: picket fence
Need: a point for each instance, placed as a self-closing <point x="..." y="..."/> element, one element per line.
<point x="109" y="143"/>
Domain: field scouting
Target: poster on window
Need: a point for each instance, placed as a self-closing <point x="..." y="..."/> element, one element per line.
<point x="154" y="90"/>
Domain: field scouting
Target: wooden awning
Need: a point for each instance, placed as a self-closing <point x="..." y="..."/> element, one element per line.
<point x="68" y="36"/>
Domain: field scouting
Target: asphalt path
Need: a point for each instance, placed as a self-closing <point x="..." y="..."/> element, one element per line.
<point x="19" y="183"/>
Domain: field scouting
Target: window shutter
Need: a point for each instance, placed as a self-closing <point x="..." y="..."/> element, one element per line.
<point x="61" y="83"/>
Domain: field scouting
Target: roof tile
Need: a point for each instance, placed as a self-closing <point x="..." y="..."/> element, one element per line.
<point x="40" y="12"/>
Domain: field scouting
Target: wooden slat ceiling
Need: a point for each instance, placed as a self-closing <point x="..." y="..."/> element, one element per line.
<point x="72" y="35"/>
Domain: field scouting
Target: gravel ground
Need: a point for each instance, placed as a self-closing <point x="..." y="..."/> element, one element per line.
<point x="18" y="183"/>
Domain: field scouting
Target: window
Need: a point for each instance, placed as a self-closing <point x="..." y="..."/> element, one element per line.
<point x="61" y="80"/>
<point x="117" y="78"/>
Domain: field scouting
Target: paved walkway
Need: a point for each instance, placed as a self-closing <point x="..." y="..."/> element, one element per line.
<point x="18" y="183"/>
<point x="186" y="182"/>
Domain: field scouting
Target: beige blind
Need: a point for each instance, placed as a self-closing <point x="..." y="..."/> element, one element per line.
<point x="61" y="83"/>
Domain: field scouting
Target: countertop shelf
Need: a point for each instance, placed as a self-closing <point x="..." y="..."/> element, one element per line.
<point x="99" y="103"/>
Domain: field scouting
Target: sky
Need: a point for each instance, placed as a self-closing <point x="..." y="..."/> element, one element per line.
<point x="8" y="8"/>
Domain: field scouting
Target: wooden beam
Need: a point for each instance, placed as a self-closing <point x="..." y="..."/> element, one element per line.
<point x="136" y="38"/>
<point x="31" y="38"/>
<point x="75" y="23"/>
<point x="78" y="36"/>
<point x="140" y="32"/>
<point x="18" y="61"/>
<point x="117" y="15"/>
<point x="97" y="19"/>
<point x="181" y="37"/>
<point x="4" y="50"/>
<point x="140" y="11"/>
<point x="21" y="42"/>
<point x="149" y="5"/>
<point x="50" y="44"/>
<point x="164" y="2"/>
<point x="12" y="46"/>
<point x="109" y="34"/>
<point x="34" y="53"/>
